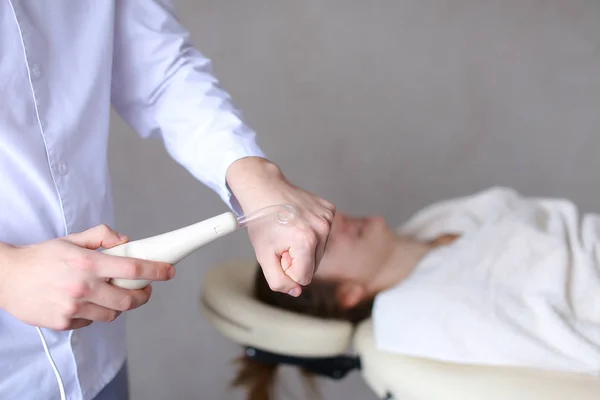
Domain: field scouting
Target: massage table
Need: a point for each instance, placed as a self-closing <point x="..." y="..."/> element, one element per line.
<point x="332" y="349"/>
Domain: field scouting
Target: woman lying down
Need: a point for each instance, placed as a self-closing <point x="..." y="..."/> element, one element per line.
<point x="495" y="278"/>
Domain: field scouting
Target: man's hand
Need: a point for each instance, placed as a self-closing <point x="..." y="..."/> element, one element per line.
<point x="62" y="283"/>
<point x="288" y="255"/>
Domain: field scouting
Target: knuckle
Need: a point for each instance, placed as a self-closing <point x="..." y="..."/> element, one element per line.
<point x="84" y="262"/>
<point x="71" y="309"/>
<point x="303" y="281"/>
<point x="162" y="272"/>
<point x="112" y="316"/>
<point x="78" y="290"/>
<point x="333" y="208"/>
<point x="301" y="277"/>
<point x="322" y="226"/>
<point x="329" y="206"/>
<point x="147" y="291"/>
<point x="131" y="270"/>
<point x="144" y="299"/>
<point x="328" y="216"/>
<point x="276" y="287"/>
<point x="126" y="303"/>
<point x="105" y="229"/>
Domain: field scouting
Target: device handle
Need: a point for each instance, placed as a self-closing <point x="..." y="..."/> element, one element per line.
<point x="172" y="247"/>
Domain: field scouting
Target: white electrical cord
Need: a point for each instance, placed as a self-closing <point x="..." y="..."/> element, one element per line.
<point x="61" y="386"/>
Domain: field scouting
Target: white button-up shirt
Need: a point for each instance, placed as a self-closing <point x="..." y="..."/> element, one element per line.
<point x="62" y="64"/>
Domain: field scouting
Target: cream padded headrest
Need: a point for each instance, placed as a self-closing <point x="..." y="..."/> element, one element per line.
<point x="419" y="379"/>
<point x="228" y="302"/>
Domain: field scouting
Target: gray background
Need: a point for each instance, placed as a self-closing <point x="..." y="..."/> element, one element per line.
<point x="380" y="106"/>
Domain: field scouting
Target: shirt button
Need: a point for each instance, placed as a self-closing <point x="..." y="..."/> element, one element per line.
<point x="62" y="168"/>
<point x="35" y="71"/>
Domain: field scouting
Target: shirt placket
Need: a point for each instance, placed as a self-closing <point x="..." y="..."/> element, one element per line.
<point x="35" y="53"/>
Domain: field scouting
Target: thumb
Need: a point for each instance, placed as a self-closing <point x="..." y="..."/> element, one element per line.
<point x="276" y="277"/>
<point x="96" y="237"/>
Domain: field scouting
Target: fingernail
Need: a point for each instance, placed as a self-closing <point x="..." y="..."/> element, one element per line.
<point x="171" y="272"/>
<point x="295" y="292"/>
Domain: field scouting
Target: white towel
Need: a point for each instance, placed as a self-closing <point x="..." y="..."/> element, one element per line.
<point x="521" y="287"/>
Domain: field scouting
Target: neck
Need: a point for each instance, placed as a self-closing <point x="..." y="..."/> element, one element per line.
<point x="403" y="259"/>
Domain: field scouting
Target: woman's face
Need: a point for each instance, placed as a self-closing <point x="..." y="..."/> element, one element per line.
<point x="356" y="246"/>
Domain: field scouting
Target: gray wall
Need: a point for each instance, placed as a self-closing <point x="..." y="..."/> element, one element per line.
<point x="380" y="106"/>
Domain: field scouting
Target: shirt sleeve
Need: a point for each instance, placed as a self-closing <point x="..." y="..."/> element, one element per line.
<point x="163" y="87"/>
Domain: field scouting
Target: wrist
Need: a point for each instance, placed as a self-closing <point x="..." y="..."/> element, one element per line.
<point x="5" y="251"/>
<point x="246" y="168"/>
<point x="252" y="179"/>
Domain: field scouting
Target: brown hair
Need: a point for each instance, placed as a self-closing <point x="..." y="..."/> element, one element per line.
<point x="318" y="299"/>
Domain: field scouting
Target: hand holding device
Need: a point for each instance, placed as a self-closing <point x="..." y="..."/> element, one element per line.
<point x="63" y="283"/>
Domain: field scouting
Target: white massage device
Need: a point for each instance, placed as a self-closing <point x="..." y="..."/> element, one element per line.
<point x="274" y="335"/>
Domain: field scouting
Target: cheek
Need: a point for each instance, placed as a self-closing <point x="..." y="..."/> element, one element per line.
<point x="358" y="256"/>
<point x="328" y="267"/>
<point x="337" y="263"/>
